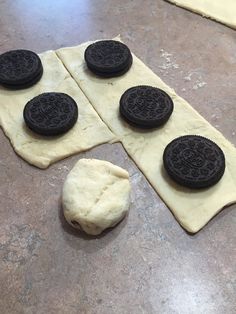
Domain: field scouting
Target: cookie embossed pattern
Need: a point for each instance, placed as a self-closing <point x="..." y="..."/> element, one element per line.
<point x="20" y="69"/>
<point x="194" y="161"/>
<point x="146" y="106"/>
<point x="108" y="58"/>
<point x="51" y="113"/>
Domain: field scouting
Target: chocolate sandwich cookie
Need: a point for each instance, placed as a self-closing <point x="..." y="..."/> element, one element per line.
<point x="20" y="68"/>
<point x="51" y="113"/>
<point x="108" y="58"/>
<point x="113" y="74"/>
<point x="194" y="161"/>
<point x="25" y="85"/>
<point x="146" y="106"/>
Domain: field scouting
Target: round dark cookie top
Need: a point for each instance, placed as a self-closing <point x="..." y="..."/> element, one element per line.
<point x="194" y="161"/>
<point x="146" y="106"/>
<point x="107" y="56"/>
<point x="19" y="67"/>
<point x="51" y="113"/>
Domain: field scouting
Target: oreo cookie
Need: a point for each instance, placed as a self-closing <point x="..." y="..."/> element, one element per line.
<point x="114" y="74"/>
<point x="51" y="113"/>
<point x="146" y="106"/>
<point x="20" y="69"/>
<point x="108" y="58"/>
<point x="194" y="161"/>
<point x="25" y="85"/>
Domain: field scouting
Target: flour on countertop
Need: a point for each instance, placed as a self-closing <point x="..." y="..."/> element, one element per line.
<point x="198" y="82"/>
<point x="64" y="168"/>
<point x="167" y="64"/>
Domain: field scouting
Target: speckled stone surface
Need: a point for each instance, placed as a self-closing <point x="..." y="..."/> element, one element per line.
<point x="148" y="263"/>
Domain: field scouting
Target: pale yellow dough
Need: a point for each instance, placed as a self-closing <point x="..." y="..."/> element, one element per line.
<point x="95" y="195"/>
<point x="193" y="209"/>
<point x="223" y="11"/>
<point x="41" y="151"/>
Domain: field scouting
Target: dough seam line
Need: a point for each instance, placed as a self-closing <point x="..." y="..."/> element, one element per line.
<point x="115" y="136"/>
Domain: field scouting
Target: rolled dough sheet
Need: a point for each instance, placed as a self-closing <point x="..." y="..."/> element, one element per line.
<point x="40" y="151"/>
<point x="223" y="11"/>
<point x="193" y="209"/>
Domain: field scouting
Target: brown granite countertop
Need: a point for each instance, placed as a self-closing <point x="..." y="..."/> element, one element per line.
<point x="148" y="263"/>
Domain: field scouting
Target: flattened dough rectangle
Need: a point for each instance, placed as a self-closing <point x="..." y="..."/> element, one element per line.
<point x="193" y="209"/>
<point x="41" y="151"/>
<point x="223" y="11"/>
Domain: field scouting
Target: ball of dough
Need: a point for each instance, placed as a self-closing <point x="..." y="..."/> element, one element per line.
<point x="95" y="195"/>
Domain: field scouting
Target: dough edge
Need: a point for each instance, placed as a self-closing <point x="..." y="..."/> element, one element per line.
<point x="41" y="151"/>
<point x="196" y="8"/>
